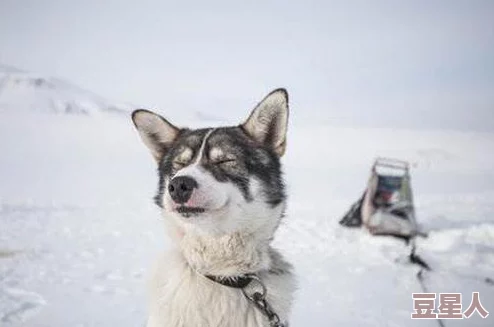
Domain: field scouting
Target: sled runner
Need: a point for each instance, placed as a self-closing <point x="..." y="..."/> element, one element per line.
<point x="386" y="207"/>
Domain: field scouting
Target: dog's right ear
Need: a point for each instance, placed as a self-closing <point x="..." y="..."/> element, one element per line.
<point x="155" y="131"/>
<point x="267" y="123"/>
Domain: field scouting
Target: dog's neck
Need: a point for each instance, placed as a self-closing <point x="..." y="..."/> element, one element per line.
<point x="228" y="255"/>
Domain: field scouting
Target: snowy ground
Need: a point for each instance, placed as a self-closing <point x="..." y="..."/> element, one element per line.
<point x="78" y="229"/>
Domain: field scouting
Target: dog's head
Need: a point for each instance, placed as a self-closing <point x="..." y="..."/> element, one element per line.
<point x="221" y="180"/>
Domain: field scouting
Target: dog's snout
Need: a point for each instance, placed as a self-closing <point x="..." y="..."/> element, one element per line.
<point x="181" y="188"/>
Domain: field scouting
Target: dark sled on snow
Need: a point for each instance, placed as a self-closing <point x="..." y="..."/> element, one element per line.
<point x="386" y="207"/>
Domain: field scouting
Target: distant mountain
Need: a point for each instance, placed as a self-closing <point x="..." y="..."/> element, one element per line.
<point x="9" y="69"/>
<point x="28" y="92"/>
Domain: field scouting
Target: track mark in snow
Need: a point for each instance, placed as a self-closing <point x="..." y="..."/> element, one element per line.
<point x="18" y="305"/>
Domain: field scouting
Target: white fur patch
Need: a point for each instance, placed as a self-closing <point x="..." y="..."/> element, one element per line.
<point x="180" y="297"/>
<point x="186" y="155"/>
<point x="216" y="154"/>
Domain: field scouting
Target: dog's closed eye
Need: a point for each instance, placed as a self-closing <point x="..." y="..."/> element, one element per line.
<point x="224" y="161"/>
<point x="179" y="164"/>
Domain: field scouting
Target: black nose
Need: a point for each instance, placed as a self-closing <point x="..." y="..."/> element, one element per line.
<point x="181" y="187"/>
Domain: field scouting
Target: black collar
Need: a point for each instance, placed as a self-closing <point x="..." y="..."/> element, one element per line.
<point x="235" y="282"/>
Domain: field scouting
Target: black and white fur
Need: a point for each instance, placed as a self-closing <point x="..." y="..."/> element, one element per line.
<point x="222" y="196"/>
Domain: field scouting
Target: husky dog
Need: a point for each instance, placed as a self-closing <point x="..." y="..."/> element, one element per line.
<point x="222" y="196"/>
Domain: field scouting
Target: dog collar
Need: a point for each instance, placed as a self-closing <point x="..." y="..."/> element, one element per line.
<point x="258" y="298"/>
<point x="234" y="282"/>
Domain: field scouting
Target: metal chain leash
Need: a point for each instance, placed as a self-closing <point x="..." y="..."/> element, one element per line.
<point x="260" y="302"/>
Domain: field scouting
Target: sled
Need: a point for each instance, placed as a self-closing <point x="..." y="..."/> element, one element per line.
<point x="386" y="207"/>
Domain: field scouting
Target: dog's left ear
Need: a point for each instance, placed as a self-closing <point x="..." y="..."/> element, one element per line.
<point x="267" y="124"/>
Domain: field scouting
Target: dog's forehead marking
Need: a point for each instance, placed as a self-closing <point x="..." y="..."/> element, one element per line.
<point x="189" y="145"/>
<point x="193" y="167"/>
<point x="203" y="145"/>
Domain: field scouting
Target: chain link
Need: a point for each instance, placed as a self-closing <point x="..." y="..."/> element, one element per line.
<point x="260" y="302"/>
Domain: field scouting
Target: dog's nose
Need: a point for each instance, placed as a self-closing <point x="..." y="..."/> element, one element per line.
<point x="181" y="187"/>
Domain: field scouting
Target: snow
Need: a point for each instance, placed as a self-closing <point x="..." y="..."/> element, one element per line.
<point x="79" y="231"/>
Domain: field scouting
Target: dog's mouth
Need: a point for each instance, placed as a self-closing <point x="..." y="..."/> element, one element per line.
<point x="190" y="211"/>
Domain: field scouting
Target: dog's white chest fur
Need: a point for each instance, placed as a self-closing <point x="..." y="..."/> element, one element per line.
<point x="181" y="297"/>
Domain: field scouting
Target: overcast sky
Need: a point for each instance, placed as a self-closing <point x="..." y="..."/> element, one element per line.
<point x="426" y="64"/>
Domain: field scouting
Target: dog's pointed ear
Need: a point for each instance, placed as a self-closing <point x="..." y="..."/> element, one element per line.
<point x="267" y="124"/>
<point x="155" y="131"/>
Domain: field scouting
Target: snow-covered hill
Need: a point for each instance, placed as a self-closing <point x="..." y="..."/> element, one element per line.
<point x="28" y="92"/>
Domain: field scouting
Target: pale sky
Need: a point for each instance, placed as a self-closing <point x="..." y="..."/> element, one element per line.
<point x="414" y="64"/>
